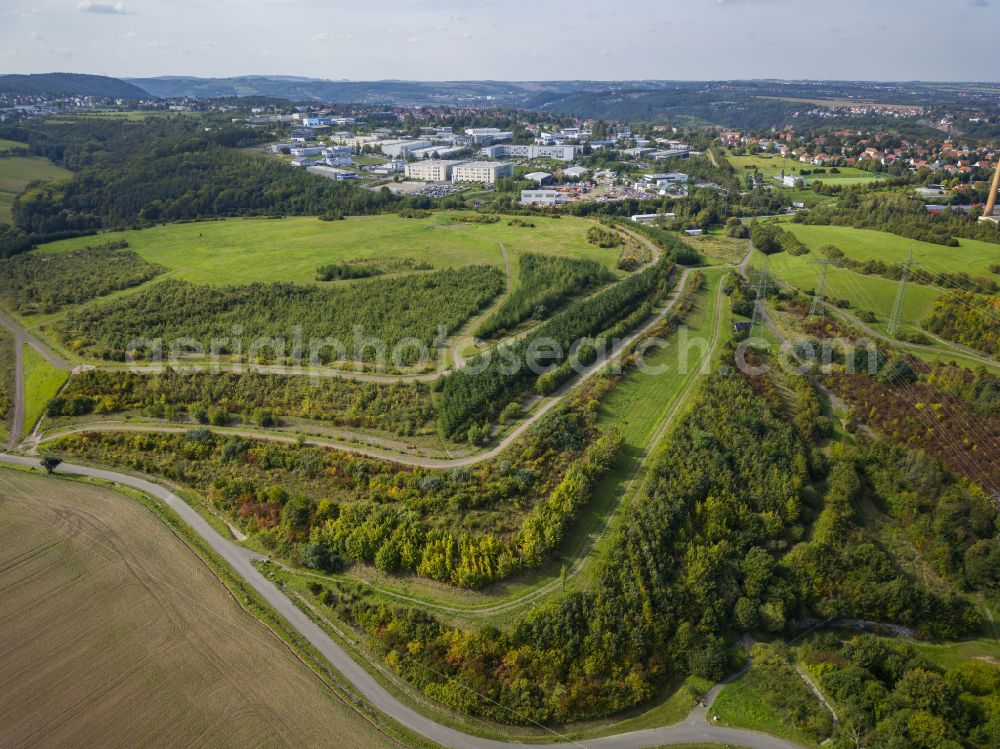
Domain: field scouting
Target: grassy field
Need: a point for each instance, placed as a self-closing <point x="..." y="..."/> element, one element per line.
<point x="740" y="704"/>
<point x="41" y="382"/>
<point x="717" y="247"/>
<point x="18" y="171"/>
<point x="971" y="256"/>
<point x="246" y="250"/>
<point x="864" y="292"/>
<point x="771" y="166"/>
<point x="116" y="634"/>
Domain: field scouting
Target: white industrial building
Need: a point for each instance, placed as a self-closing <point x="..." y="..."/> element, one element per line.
<point x="307" y="150"/>
<point x="431" y="170"/>
<point x="652" y="218"/>
<point x="400" y="149"/>
<point x="538" y="177"/>
<point x="487" y="172"/>
<point x="487" y="135"/>
<point x="540" y="197"/>
<point x="575" y="172"/>
<point x="559" y="153"/>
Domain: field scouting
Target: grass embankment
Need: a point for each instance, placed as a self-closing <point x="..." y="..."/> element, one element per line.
<point x="122" y="674"/>
<point x="771" y="165"/>
<point x="41" y="382"/>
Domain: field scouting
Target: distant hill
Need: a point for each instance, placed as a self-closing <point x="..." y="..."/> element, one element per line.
<point x="377" y="93"/>
<point x="70" y="84"/>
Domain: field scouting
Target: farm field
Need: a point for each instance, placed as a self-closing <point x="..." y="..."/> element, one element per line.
<point x="971" y="256"/>
<point x="239" y="251"/>
<point x="41" y="382"/>
<point x="771" y="166"/>
<point x="18" y="171"/>
<point x="116" y="634"/>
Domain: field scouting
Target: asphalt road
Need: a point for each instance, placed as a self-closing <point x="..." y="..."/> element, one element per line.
<point x="693" y="729"/>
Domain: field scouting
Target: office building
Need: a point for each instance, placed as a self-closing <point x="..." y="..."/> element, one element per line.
<point x="487" y="172"/>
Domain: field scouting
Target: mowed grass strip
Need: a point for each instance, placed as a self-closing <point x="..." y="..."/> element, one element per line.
<point x="41" y="382"/>
<point x="117" y="634"/>
<point x="237" y="251"/>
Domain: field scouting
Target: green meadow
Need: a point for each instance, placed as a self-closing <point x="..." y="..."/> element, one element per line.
<point x="237" y="251"/>
<point x="971" y="256"/>
<point x="18" y="171"/>
<point x="41" y="382"/>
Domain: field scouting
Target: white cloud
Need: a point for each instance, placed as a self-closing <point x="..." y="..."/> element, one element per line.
<point x="98" y="6"/>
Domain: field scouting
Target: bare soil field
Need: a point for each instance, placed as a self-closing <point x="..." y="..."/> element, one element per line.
<point x="116" y="634"/>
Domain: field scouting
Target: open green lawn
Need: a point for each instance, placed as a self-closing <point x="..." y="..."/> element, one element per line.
<point x="41" y="382"/>
<point x="771" y="165"/>
<point x="971" y="256"/>
<point x="950" y="654"/>
<point x="18" y="171"/>
<point x="246" y="250"/>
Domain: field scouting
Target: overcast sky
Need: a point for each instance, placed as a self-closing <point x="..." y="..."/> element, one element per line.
<point x="512" y="39"/>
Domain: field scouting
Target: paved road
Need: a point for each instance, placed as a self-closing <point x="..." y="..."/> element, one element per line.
<point x="694" y="729"/>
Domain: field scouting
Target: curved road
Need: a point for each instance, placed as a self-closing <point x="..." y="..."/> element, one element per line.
<point x="695" y="728"/>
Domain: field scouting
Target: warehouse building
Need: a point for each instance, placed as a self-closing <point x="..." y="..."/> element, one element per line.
<point x="540" y="197"/>
<point x="487" y="172"/>
<point x="400" y="149"/>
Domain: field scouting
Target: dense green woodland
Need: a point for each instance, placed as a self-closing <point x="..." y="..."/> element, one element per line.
<point x="967" y="318"/>
<point x="547" y="283"/>
<point x="890" y="697"/>
<point x="474" y="395"/>
<point x="135" y="174"/>
<point x="403" y="409"/>
<point x="42" y="283"/>
<point x="387" y="311"/>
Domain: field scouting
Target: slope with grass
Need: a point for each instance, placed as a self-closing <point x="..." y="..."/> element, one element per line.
<point x="971" y="256"/>
<point x="7" y="381"/>
<point x="771" y="166"/>
<point x="116" y="634"/>
<point x="18" y="171"/>
<point x="41" y="383"/>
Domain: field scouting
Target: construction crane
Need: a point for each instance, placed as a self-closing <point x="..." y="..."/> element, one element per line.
<point x="991" y="201"/>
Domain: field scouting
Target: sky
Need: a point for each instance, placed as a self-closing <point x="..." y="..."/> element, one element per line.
<point x="506" y="40"/>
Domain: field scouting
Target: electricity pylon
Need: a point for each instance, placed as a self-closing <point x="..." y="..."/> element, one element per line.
<point x="824" y="265"/>
<point x="761" y="285"/>
<point x="897" y="308"/>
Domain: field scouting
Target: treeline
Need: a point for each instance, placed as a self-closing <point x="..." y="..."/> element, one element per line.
<point x="966" y="318"/>
<point x="130" y="174"/>
<point x="219" y="399"/>
<point x="368" y="267"/>
<point x="476" y="394"/>
<point x="889" y="696"/>
<point x="387" y="311"/>
<point x="325" y="508"/>
<point x="547" y="282"/>
<point x="677" y="250"/>
<point x="43" y="283"/>
<point x="899" y="214"/>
